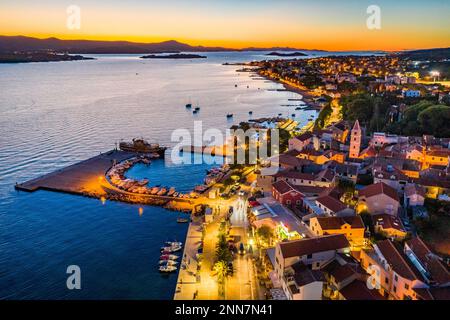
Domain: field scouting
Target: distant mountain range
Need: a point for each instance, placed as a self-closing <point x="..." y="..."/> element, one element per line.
<point x="427" y="54"/>
<point x="22" y="43"/>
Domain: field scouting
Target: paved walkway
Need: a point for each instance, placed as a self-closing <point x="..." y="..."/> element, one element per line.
<point x="242" y="285"/>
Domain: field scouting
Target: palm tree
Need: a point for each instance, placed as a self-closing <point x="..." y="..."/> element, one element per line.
<point x="221" y="268"/>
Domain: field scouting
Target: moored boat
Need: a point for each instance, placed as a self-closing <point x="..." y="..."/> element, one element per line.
<point x="182" y="220"/>
<point x="168" y="257"/>
<point x="171" y="191"/>
<point x="167" y="268"/>
<point x="162" y="191"/>
<point x="139" y="145"/>
<point x="154" y="190"/>
<point x="170" y="243"/>
<point x="168" y="262"/>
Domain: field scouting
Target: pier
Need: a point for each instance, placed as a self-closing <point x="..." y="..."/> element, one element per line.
<point x="87" y="178"/>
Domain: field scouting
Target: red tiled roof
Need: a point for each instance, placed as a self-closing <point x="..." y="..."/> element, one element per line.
<point x="412" y="189"/>
<point x="331" y="203"/>
<point x="377" y="189"/>
<point x="397" y="261"/>
<point x="429" y="261"/>
<point x="286" y="159"/>
<point x="313" y="245"/>
<point x="387" y="221"/>
<point x="309" y="189"/>
<point x="282" y="187"/>
<point x="328" y="223"/>
<point x="358" y="290"/>
<point x="369" y="152"/>
<point x="295" y="175"/>
<point x="305" y="136"/>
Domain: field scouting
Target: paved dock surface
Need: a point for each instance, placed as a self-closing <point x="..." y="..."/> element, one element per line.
<point x="81" y="178"/>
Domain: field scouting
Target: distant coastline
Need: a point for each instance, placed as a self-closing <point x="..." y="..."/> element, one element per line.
<point x="174" y="56"/>
<point x="25" y="57"/>
<point x="288" y="54"/>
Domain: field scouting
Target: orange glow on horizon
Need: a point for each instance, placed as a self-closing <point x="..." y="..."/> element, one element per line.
<point x="289" y="25"/>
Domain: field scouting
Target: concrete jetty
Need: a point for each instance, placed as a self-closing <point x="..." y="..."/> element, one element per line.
<point x="87" y="178"/>
<point x="83" y="177"/>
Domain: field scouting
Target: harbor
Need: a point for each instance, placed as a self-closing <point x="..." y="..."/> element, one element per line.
<point x="124" y="234"/>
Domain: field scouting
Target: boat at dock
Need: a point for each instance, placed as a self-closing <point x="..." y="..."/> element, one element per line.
<point x="168" y="257"/>
<point x="171" y="192"/>
<point x="168" y="262"/>
<point x="167" y="268"/>
<point x="182" y="220"/>
<point x="171" y="249"/>
<point x="139" y="145"/>
<point x="162" y="192"/>
<point x="154" y="190"/>
<point x="170" y="243"/>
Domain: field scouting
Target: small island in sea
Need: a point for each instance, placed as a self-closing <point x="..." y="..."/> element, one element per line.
<point x="290" y="54"/>
<point x="38" y="56"/>
<point x="174" y="56"/>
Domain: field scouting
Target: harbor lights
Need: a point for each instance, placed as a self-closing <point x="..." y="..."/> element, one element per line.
<point x="435" y="74"/>
<point x="103" y="199"/>
<point x="141" y="211"/>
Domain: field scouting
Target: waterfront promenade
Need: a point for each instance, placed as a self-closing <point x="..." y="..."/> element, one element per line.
<point x="242" y="285"/>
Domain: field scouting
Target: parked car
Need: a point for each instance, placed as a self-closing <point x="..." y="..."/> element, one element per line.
<point x="241" y="249"/>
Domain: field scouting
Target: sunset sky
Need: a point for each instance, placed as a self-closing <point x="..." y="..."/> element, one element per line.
<point x="321" y="24"/>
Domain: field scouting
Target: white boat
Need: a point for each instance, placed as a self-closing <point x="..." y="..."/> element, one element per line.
<point x="174" y="243"/>
<point x="168" y="262"/>
<point x="167" y="268"/>
<point x="172" y="248"/>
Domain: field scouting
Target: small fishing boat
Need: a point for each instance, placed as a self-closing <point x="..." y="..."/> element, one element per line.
<point x="229" y="115"/>
<point x="235" y="85"/>
<point x="170" y="243"/>
<point x="250" y="112"/>
<point x="168" y="257"/>
<point x="162" y="191"/>
<point x="197" y="108"/>
<point x="188" y="105"/>
<point x="171" y="249"/>
<point x="154" y="190"/>
<point x="168" y="262"/>
<point x="182" y="220"/>
<point x="293" y="114"/>
<point x="171" y="192"/>
<point x="195" y="111"/>
<point x="175" y="195"/>
<point x="167" y="268"/>
<point x="143" y="182"/>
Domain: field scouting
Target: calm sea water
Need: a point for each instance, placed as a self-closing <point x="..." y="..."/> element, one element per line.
<point x="56" y="114"/>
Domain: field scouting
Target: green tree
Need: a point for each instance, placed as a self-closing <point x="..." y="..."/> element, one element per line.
<point x="435" y="120"/>
<point x="265" y="233"/>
